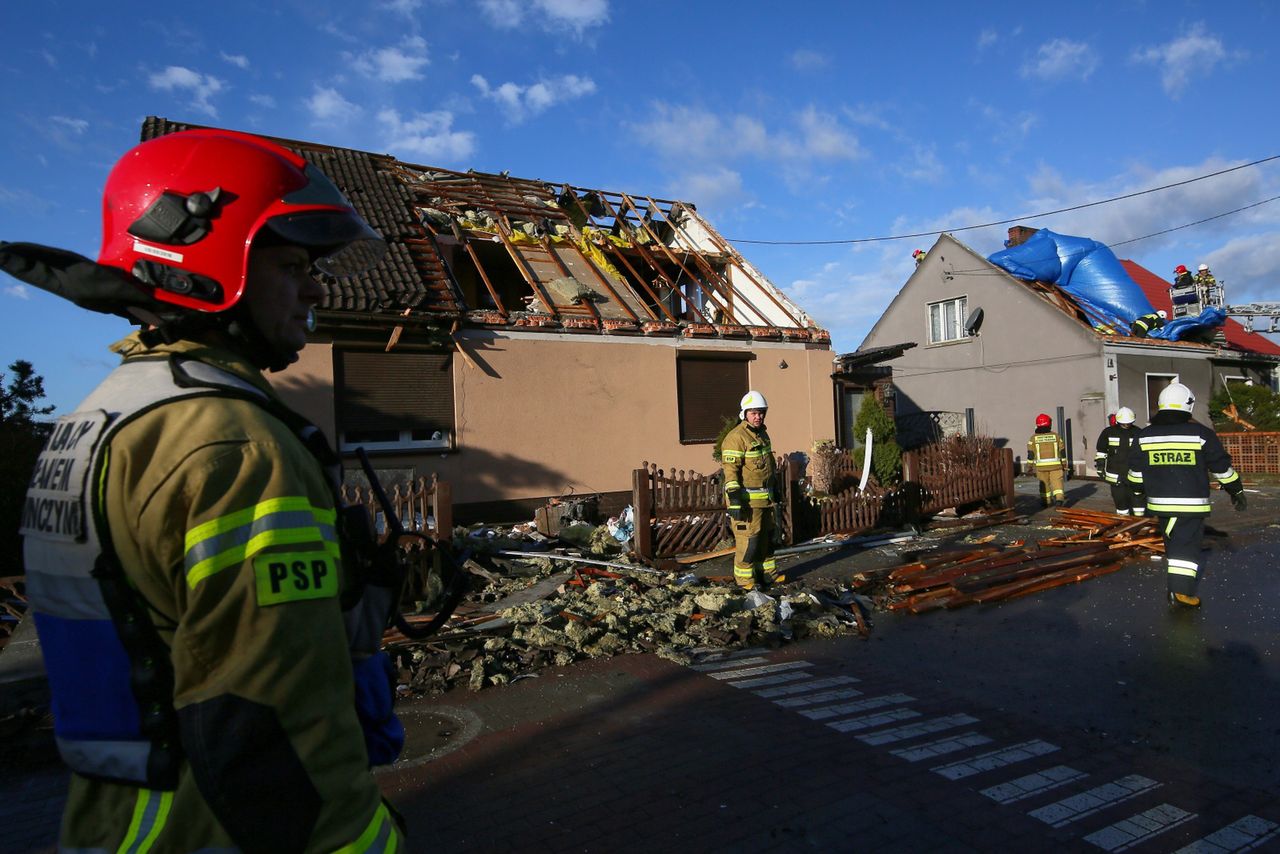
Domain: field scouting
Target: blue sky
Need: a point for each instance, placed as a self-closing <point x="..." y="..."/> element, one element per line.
<point x="794" y="121"/>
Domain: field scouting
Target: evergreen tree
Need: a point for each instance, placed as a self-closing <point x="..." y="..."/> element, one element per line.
<point x="886" y="456"/>
<point x="21" y="437"/>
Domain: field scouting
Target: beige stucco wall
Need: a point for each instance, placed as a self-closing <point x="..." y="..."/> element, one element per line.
<point x="545" y="414"/>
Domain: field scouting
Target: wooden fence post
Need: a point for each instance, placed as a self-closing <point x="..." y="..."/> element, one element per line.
<point x="1006" y="475"/>
<point x="642" y="512"/>
<point x="443" y="510"/>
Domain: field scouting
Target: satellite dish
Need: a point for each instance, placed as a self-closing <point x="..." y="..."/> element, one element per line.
<point x="974" y="323"/>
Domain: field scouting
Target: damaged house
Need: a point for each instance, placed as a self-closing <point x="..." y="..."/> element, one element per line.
<point x="525" y="339"/>
<point x="995" y="350"/>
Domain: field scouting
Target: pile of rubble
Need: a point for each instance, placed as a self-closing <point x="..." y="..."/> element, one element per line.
<point x="532" y="617"/>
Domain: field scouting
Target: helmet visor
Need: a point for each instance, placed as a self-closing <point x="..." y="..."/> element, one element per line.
<point x="342" y="243"/>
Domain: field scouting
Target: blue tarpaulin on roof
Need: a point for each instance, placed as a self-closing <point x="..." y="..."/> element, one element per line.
<point x="1083" y="268"/>
<point x="1180" y="328"/>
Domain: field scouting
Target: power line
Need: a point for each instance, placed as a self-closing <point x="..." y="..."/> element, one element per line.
<point x="1016" y="218"/>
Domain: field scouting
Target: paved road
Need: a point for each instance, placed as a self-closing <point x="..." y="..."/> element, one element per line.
<point x="1085" y="718"/>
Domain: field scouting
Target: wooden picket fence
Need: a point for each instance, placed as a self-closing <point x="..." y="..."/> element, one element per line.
<point x="1253" y="452"/>
<point x="423" y="505"/>
<point x="684" y="510"/>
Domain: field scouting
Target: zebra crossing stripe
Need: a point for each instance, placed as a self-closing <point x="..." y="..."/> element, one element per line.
<point x="869" y="721"/>
<point x="801" y="687"/>
<point x="1100" y="797"/>
<point x="824" y="712"/>
<point x="941" y="747"/>
<point x="1033" y="784"/>
<point x="724" y="665"/>
<point x="761" y="670"/>
<point x="902" y="733"/>
<point x="820" y="697"/>
<point x="1245" y="834"/>
<point x="995" y="759"/>
<point x="765" y="681"/>
<point x="1139" y="828"/>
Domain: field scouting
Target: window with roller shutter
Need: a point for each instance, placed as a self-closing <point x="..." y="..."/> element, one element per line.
<point x="709" y="388"/>
<point x="393" y="401"/>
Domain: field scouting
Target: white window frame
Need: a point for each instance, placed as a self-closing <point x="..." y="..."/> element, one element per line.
<point x="962" y="307"/>
<point x="405" y="442"/>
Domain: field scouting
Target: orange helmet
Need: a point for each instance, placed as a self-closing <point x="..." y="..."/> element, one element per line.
<point x="1043" y="420"/>
<point x="180" y="212"/>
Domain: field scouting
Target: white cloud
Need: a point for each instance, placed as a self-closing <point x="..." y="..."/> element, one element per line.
<point x="403" y="7"/>
<point x="922" y="164"/>
<point x="522" y="102"/>
<point x="1247" y="265"/>
<point x="265" y="101"/>
<point x="393" y="64"/>
<point x="201" y="87"/>
<point x="76" y="126"/>
<point x="328" y="105"/>
<point x="1195" y="52"/>
<point x="19" y="291"/>
<point x="1006" y="128"/>
<point x="809" y="60"/>
<point x="1060" y="59"/>
<point x="427" y="135"/>
<point x="238" y="60"/>
<point x="575" y="15"/>
<point x="987" y="38"/>
<point x="717" y="189"/>
<point x="49" y="58"/>
<point x="692" y="133"/>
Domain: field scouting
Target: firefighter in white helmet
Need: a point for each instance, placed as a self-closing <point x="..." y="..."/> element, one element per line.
<point x="1112" y="460"/>
<point x="1169" y="468"/>
<point x="749" y="468"/>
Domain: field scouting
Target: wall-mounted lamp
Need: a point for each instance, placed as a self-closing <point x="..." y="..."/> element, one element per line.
<point x="782" y="364"/>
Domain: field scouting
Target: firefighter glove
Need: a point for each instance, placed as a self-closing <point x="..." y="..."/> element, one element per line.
<point x="1238" y="500"/>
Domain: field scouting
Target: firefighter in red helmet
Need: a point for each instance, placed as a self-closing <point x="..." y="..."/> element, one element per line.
<point x="1047" y="454"/>
<point x="212" y="682"/>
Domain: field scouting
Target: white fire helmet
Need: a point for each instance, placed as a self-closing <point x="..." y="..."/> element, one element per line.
<point x="751" y="400"/>
<point x="1176" y="396"/>
<point x="1124" y="415"/>
<point x="1162" y="314"/>
<point x="1203" y="268"/>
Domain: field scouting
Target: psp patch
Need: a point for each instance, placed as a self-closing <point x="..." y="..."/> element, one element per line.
<point x="294" y="576"/>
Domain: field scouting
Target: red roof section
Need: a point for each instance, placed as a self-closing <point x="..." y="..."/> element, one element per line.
<point x="1157" y="291"/>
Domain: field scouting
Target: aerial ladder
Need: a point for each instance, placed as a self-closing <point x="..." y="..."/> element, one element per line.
<point x="1269" y="311"/>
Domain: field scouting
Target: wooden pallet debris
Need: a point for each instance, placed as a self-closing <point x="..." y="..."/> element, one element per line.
<point x="1099" y="545"/>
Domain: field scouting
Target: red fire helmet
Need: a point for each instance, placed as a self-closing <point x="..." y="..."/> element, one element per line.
<point x="180" y="213"/>
<point x="1043" y="420"/>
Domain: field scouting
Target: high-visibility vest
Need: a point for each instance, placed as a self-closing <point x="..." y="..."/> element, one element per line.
<point x="1045" y="450"/>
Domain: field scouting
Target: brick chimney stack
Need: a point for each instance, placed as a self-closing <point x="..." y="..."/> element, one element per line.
<point x="1019" y="234"/>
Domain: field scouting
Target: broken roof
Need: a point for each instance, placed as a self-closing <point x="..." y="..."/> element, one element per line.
<point x="476" y="248"/>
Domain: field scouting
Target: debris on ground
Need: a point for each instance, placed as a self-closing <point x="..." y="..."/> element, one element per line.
<point x="980" y="571"/>
<point x="555" y="609"/>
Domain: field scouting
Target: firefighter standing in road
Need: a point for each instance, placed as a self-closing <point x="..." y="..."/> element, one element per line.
<point x="1148" y="323"/>
<point x="1169" y="468"/>
<point x="1112" y="460"/>
<point x="747" y="458"/>
<point x="1047" y="454"/>
<point x="187" y="583"/>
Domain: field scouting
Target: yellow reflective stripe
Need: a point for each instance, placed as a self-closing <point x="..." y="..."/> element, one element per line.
<point x="1171" y="446"/>
<point x="1228" y="476"/>
<point x="730" y="455"/>
<point x="763" y="452"/>
<point x="1114" y="440"/>
<point x="365" y="843"/>
<point x="1135" y="476"/>
<point x="1177" y="508"/>
<point x="243" y="517"/>
<point x="1168" y="528"/>
<point x="149" y="816"/>
<point x="239" y="554"/>
<point x="757" y="490"/>
<point x="731" y="484"/>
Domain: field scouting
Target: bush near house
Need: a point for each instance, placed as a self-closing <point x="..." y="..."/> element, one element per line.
<point x="1257" y="404"/>
<point x="727" y="424"/>
<point x="886" y="456"/>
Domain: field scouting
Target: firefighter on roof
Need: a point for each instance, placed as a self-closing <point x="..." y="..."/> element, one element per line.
<point x="747" y="457"/>
<point x="1148" y="323"/>
<point x="208" y="690"/>
<point x="1169" y="468"/>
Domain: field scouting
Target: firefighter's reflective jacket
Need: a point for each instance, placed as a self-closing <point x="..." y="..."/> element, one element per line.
<point x="184" y="574"/>
<point x="1046" y="451"/>
<point x="1171" y="461"/>
<point x="747" y="458"/>
<point x="1140" y="327"/>
<point x="1112" y="451"/>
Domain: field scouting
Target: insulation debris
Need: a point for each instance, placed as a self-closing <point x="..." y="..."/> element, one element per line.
<point x="520" y="623"/>
<point x="985" y="572"/>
